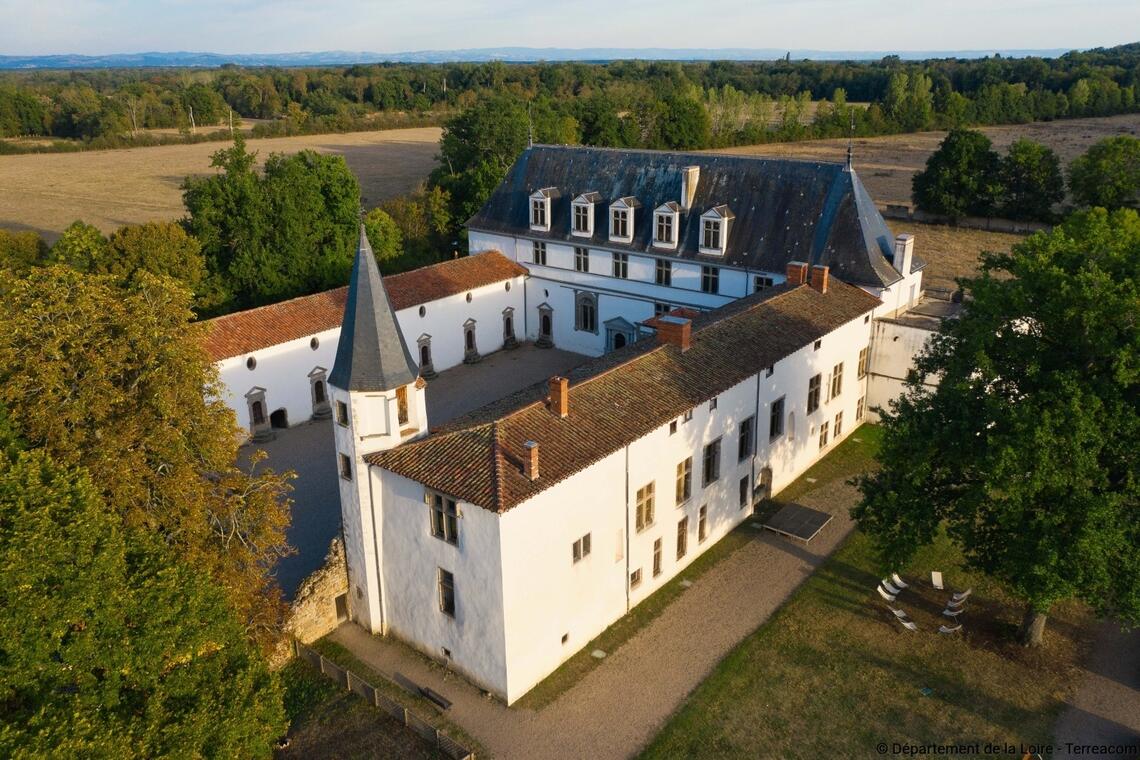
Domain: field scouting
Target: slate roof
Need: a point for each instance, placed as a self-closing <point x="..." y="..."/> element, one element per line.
<point x="619" y="397"/>
<point x="247" y="331"/>
<point x="785" y="210"/>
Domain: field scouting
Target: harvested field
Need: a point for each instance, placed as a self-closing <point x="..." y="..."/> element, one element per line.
<point x="110" y="188"/>
<point x="951" y="251"/>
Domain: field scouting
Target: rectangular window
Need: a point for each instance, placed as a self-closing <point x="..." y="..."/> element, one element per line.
<point x="813" y="394"/>
<point x="836" y="381"/>
<point x="838" y="429"/>
<point x="687" y="416"/>
<point x="538" y="212"/>
<point x="660" y="308"/>
<point x="345" y="467"/>
<point x="702" y="523"/>
<point x="710" y="279"/>
<point x="744" y="492"/>
<point x="817" y="344"/>
<point x="539" y="253"/>
<point x="342" y="414"/>
<point x="776" y="419"/>
<point x="712" y="404"/>
<point x="823" y="435"/>
<point x="657" y="558"/>
<point x="682" y="537"/>
<point x="710" y="234"/>
<point x="402" y="405"/>
<point x="761" y="282"/>
<point x="673" y="427"/>
<point x="712" y="463"/>
<point x="664" y="270"/>
<point x="684" y="481"/>
<point x="645" y="506"/>
<point x="770" y="370"/>
<point x="444" y="518"/>
<point x="664" y="231"/>
<point x="582" y="218"/>
<point x="581" y="260"/>
<point x="581" y="548"/>
<point x="635" y="578"/>
<point x="859" y="408"/>
<point x="862" y="371"/>
<point x="744" y="446"/>
<point x="621" y="265"/>
<point x="446" y="593"/>
<point x="619" y="227"/>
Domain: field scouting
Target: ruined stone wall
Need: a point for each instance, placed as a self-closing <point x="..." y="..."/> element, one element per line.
<point x="313" y="612"/>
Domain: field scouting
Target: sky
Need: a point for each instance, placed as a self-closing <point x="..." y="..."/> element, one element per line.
<point x="99" y="27"/>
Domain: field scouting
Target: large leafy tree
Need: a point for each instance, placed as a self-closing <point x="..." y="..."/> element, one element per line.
<point x="109" y="644"/>
<point x="1108" y="174"/>
<point x="960" y="178"/>
<point x="114" y="378"/>
<point x="1026" y="449"/>
<point x="20" y="251"/>
<point x="1031" y="180"/>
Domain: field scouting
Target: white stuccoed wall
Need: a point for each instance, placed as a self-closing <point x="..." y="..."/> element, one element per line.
<point x="893" y="350"/>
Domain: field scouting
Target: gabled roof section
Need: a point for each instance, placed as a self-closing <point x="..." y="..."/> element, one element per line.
<point x="785" y="210"/>
<point x="618" y="398"/>
<point x="371" y="354"/>
<point x="628" y="201"/>
<point x="721" y="212"/>
<point x="670" y="206"/>
<point x="590" y="197"/>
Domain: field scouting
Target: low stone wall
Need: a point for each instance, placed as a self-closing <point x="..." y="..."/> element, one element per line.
<point x="314" y="613"/>
<point x="993" y="224"/>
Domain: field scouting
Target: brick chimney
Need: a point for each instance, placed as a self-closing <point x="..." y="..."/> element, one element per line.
<point x="819" y="278"/>
<point x="676" y="331"/>
<point x="559" y="397"/>
<point x="797" y="273"/>
<point x="904" y="253"/>
<point x="690" y="176"/>
<point x="530" y="463"/>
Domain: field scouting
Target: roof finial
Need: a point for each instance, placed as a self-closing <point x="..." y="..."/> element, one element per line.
<point x="851" y="141"/>
<point x="529" y="128"/>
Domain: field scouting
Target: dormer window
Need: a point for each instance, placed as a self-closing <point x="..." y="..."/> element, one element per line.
<point x="666" y="224"/>
<point x="714" y="230"/>
<point x="540" y="208"/>
<point x="621" y="219"/>
<point x="582" y="214"/>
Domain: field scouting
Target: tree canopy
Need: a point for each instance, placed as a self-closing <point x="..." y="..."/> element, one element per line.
<point x="1025" y="451"/>
<point x="1108" y="174"/>
<point x="960" y="178"/>
<point x="1031" y="181"/>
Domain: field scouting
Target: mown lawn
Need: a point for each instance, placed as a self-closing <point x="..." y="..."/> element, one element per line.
<point x="832" y="674"/>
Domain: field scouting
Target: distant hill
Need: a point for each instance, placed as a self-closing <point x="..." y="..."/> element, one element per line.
<point x="508" y="54"/>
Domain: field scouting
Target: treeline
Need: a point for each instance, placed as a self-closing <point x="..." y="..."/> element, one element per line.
<point x="622" y="103"/>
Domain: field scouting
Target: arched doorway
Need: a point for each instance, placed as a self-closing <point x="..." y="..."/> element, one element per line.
<point x="279" y="419"/>
<point x="509" y="340"/>
<point x="545" y="326"/>
<point x="619" y="333"/>
<point x="470" y="349"/>
<point x="257" y="410"/>
<point x="427" y="369"/>
<point x="619" y="341"/>
<point x="259" y="422"/>
<point x="319" y="394"/>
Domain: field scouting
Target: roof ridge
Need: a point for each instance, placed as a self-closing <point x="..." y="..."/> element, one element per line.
<point x="496" y="468"/>
<point x="703" y="152"/>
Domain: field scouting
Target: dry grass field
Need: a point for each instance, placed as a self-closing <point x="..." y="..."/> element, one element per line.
<point x="110" y="188"/>
<point x="951" y="251"/>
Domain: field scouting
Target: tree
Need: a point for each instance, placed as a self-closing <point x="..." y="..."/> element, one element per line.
<point x="161" y="248"/>
<point x="81" y="246"/>
<point x="1025" y="452"/>
<point x="686" y="124"/>
<point x="114" y="378"/>
<point x="20" y="251"/>
<point x="1108" y="174"/>
<point x="960" y="178"/>
<point x="1031" y="181"/>
<point x="111" y="645"/>
<point x="384" y="235"/>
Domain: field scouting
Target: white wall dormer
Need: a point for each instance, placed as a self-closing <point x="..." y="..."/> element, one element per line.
<point x="714" y="230"/>
<point x="582" y="214"/>
<point x="667" y="225"/>
<point x="540" y="208"/>
<point x="621" y="219"/>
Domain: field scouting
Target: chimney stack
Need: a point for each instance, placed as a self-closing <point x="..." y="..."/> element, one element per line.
<point x="797" y="273"/>
<point x="690" y="176"/>
<point x="530" y="463"/>
<point x="559" y="397"/>
<point x="904" y="253"/>
<point x="676" y="331"/>
<point x="819" y="278"/>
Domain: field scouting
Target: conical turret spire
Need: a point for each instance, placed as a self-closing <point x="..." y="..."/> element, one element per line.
<point x="371" y="354"/>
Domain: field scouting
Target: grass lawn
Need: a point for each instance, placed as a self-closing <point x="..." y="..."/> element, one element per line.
<point x="833" y="675"/>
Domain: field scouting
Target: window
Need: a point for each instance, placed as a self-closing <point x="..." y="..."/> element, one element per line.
<point x="682" y="537"/>
<point x="744" y="492"/>
<point x="645" y="506"/>
<point x="673" y="427"/>
<point x="446" y="593"/>
<point x="859" y="407"/>
<point x="660" y="308"/>
<point x="251" y="363"/>
<point x="342" y="414"/>
<point x="582" y="218"/>
<point x="702" y="523"/>
<point x="663" y="229"/>
<point x="619" y="223"/>
<point x="818" y="343"/>
<point x="581" y="260"/>
<point x="538" y="213"/>
<point x="823" y="435"/>
<point x="314" y="343"/>
<point x="712" y="404"/>
<point x="581" y="548"/>
<point x="761" y="282"/>
<point x="635" y="578"/>
<point x="539" y="254"/>
<point x="813" y="394"/>
<point x="711" y="463"/>
<point x="402" y="405"/>
<point x="664" y="270"/>
<point x="345" y="467"/>
<point x="586" y="312"/>
<point x="836" y="381"/>
<point x="776" y="419"/>
<point x="710" y="280"/>
<point x="710" y="234"/>
<point x="744" y="445"/>
<point x="687" y="416"/>
<point x="771" y="370"/>
<point x="862" y="371"/>
<point x="837" y="430"/>
<point x="657" y="558"/>
<point x="621" y="265"/>
<point x="444" y="517"/>
<point x="684" y="481"/>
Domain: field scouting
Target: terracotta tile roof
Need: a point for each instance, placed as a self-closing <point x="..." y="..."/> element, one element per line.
<point x="619" y="397"/>
<point x="248" y="331"/>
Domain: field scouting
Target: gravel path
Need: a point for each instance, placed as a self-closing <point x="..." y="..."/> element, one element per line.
<point x="619" y="706"/>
